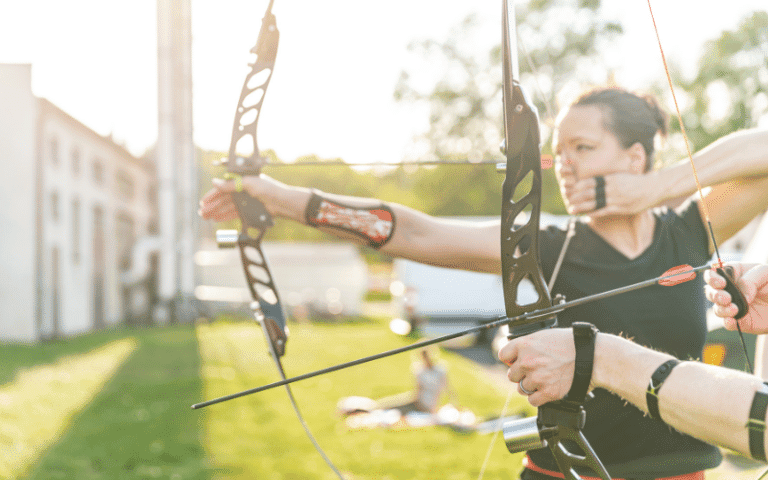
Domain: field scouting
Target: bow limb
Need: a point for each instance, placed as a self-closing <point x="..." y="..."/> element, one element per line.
<point x="254" y="216"/>
<point x="557" y="421"/>
<point x="519" y="242"/>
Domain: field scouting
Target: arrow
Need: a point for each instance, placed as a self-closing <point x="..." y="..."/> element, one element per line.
<point x="673" y="276"/>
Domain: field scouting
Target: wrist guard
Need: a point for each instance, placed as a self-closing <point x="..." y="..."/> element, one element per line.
<point x="584" y="335"/>
<point x="374" y="225"/>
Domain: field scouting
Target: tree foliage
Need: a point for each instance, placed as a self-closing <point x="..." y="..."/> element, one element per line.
<point x="730" y="90"/>
<point x="559" y="43"/>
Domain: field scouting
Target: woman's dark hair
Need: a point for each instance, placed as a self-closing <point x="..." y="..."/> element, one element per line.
<point x="632" y="118"/>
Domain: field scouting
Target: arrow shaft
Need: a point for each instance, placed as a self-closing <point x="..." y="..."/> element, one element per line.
<point x="519" y="320"/>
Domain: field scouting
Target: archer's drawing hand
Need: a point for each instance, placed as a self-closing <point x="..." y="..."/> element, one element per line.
<point x="752" y="281"/>
<point x="544" y="363"/>
<point x="625" y="193"/>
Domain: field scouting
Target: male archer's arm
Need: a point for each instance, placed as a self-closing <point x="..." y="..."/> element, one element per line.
<point x="711" y="403"/>
<point x="392" y="228"/>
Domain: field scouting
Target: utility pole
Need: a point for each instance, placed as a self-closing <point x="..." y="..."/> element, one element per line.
<point x="176" y="165"/>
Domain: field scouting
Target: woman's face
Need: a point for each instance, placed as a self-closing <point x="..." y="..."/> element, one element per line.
<point x="585" y="148"/>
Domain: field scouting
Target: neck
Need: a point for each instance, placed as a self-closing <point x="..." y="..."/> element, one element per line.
<point x="629" y="234"/>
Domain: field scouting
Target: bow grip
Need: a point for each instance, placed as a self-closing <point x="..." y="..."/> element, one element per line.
<point x="737" y="298"/>
<point x="253" y="213"/>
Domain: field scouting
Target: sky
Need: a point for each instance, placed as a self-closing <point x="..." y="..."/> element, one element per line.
<point x="337" y="64"/>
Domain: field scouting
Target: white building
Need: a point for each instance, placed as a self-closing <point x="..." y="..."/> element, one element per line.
<point x="312" y="279"/>
<point x="74" y="203"/>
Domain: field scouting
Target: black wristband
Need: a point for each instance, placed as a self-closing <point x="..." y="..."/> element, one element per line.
<point x="310" y="211"/>
<point x="584" y="335"/>
<point x="756" y="423"/>
<point x="657" y="380"/>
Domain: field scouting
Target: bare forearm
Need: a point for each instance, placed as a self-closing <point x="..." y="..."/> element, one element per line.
<point x="738" y="155"/>
<point x="706" y="402"/>
<point x="444" y="242"/>
<point x="417" y="236"/>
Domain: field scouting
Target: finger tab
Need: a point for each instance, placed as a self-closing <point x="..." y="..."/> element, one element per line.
<point x="737" y="298"/>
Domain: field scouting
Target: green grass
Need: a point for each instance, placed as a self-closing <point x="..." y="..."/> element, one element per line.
<point x="260" y="433"/>
<point x="378" y="296"/>
<point x="16" y="357"/>
<point x="41" y="401"/>
<point x="140" y="424"/>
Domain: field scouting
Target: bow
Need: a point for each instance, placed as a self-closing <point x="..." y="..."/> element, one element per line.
<point x="562" y="420"/>
<point x="558" y="421"/>
<point x="254" y="217"/>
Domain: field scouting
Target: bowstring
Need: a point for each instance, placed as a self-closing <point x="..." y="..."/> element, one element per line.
<point x="693" y="167"/>
<point x="497" y="429"/>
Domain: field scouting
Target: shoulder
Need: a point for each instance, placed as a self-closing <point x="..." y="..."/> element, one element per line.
<point x="686" y="215"/>
<point x="684" y="223"/>
<point x="551" y="241"/>
<point x="552" y="235"/>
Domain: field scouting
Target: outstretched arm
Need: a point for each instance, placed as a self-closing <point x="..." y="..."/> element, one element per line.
<point x="707" y="402"/>
<point x="416" y="236"/>
<point x="694" y="398"/>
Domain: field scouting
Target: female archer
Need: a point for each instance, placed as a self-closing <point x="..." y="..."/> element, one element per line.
<point x="604" y="146"/>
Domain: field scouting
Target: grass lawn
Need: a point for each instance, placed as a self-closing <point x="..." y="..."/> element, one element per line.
<point x="137" y="425"/>
<point x="260" y="433"/>
<point x="137" y="422"/>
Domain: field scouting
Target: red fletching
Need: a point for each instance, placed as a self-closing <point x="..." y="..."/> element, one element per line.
<point x="677" y="275"/>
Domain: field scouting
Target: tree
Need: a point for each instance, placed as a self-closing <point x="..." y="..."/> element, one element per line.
<point x="730" y="90"/>
<point x="559" y="43"/>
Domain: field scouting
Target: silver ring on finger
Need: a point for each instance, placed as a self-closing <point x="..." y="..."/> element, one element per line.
<point x="525" y="391"/>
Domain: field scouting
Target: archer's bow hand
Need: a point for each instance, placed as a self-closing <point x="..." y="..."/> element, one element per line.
<point x="752" y="281"/>
<point x="280" y="200"/>
<point x="544" y="361"/>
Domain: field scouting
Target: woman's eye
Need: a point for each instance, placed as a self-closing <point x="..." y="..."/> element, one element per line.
<point x="583" y="148"/>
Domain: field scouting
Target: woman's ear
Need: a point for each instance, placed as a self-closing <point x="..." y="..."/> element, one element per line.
<point x="637" y="158"/>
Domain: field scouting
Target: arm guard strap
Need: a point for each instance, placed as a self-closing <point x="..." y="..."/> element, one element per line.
<point x="756" y="423"/>
<point x="657" y="380"/>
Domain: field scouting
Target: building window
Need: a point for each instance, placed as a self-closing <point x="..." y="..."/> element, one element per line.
<point x="55" y="206"/>
<point x="152" y="196"/>
<point x="54" y="150"/>
<point x="75" y="161"/>
<point x="76" y="231"/>
<point x="125" y="239"/>
<point x="98" y="172"/>
<point x="124" y="185"/>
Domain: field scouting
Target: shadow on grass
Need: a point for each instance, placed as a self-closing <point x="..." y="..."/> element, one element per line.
<point x="15" y="356"/>
<point x="140" y="425"/>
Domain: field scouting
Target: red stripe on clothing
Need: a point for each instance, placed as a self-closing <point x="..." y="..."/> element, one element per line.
<point x="528" y="463"/>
